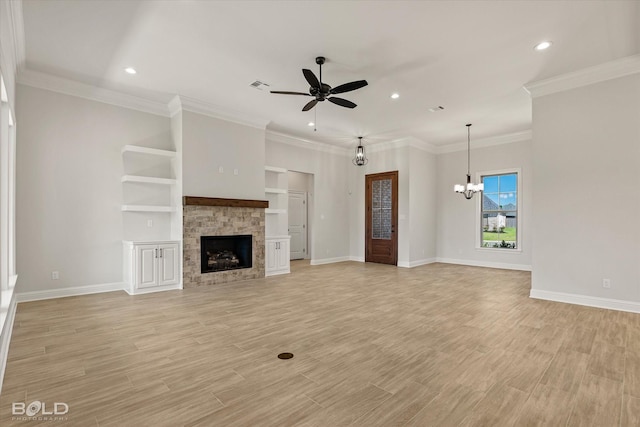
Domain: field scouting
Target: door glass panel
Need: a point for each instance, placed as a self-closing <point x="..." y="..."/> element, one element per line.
<point x="381" y="209"/>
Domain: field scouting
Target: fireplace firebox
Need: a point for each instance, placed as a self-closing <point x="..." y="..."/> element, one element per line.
<point x="222" y="253"/>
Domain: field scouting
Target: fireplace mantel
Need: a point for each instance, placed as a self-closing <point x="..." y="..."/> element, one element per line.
<point x="232" y="203"/>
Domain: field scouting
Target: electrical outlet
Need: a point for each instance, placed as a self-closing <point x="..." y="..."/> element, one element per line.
<point x="606" y="283"/>
<point x="220" y="169"/>
<point x="149" y="223"/>
<point x="55" y="275"/>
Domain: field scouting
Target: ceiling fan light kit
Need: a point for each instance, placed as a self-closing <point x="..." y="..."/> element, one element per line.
<point x="470" y="189"/>
<point x="322" y="91"/>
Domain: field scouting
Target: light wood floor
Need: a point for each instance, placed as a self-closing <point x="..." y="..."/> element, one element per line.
<point x="374" y="345"/>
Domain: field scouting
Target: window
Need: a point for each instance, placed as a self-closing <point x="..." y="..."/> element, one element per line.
<point x="499" y="211"/>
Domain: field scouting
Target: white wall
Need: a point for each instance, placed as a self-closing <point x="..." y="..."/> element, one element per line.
<point x="422" y="206"/>
<point x="69" y="193"/>
<point x="208" y="144"/>
<point x="457" y="229"/>
<point x="586" y="158"/>
<point x="330" y="212"/>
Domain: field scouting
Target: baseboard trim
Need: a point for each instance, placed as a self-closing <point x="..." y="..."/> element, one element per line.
<point x="589" y="301"/>
<point x="329" y="260"/>
<point x="487" y="264"/>
<point x="417" y="263"/>
<point x="152" y="290"/>
<point x="5" y="336"/>
<point x="356" y="258"/>
<point x="69" y="292"/>
<point x="277" y="273"/>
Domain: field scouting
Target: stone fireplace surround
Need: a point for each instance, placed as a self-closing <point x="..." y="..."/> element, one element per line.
<point x="204" y="216"/>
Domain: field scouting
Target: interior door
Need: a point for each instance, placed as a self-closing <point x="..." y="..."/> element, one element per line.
<point x="381" y="224"/>
<point x="298" y="224"/>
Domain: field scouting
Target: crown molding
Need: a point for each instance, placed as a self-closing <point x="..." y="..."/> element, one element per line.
<point x="306" y="143"/>
<point x="93" y="93"/>
<point x="587" y="76"/>
<point x="17" y="25"/>
<point x="408" y="141"/>
<point x="487" y="142"/>
<point x="184" y="103"/>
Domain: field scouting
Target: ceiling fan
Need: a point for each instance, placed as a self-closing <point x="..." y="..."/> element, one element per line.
<point x="322" y="91"/>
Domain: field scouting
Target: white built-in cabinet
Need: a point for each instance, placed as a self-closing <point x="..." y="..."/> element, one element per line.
<point x="151" y="266"/>
<point x="277" y="255"/>
<point x="152" y="219"/>
<point x="276" y="221"/>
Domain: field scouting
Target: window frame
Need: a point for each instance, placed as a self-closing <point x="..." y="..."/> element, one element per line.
<point x="478" y="228"/>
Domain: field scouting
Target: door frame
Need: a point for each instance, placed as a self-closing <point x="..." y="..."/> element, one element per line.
<point x="393" y="175"/>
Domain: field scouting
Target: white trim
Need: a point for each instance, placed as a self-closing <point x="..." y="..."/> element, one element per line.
<point x="417" y="263"/>
<point x="211" y="110"/>
<point x="17" y="23"/>
<point x="608" y="303"/>
<point x="519" y="230"/>
<point x="309" y="144"/>
<point x="487" y="264"/>
<point x="5" y="335"/>
<point x="486" y="142"/>
<point x="329" y="260"/>
<point x="147" y="208"/>
<point x="277" y="273"/>
<point x="408" y="141"/>
<point x="70" y="87"/>
<point x="356" y="258"/>
<point x="587" y="76"/>
<point x="153" y="289"/>
<point x="147" y="150"/>
<point x="275" y="169"/>
<point x="69" y="292"/>
<point x="149" y="180"/>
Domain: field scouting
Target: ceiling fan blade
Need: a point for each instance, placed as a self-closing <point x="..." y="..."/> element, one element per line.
<point x="348" y="87"/>
<point x="342" y="102"/>
<point x="311" y="78"/>
<point x="310" y="105"/>
<point x="281" y="92"/>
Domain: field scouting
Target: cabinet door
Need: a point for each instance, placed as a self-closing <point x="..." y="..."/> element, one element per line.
<point x="168" y="268"/>
<point x="272" y="253"/>
<point x="283" y="255"/>
<point x="146" y="269"/>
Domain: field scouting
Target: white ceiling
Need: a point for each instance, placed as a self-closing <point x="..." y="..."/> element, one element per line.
<point x="472" y="57"/>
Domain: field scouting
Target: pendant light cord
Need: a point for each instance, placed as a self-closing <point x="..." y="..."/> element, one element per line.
<point x="468" y="150"/>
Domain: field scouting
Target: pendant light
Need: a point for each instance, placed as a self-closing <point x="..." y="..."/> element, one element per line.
<point x="360" y="158"/>
<point x="468" y="190"/>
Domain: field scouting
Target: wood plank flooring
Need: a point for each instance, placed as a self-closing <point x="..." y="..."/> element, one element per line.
<point x="374" y="345"/>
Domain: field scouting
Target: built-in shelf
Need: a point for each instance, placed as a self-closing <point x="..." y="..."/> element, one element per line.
<point x="275" y="169"/>
<point x="275" y="190"/>
<point x="148" y="179"/>
<point x="147" y="208"/>
<point x="146" y="150"/>
<point x="275" y="211"/>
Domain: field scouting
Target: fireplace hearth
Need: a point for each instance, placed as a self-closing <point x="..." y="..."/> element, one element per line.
<point x="223" y="253"/>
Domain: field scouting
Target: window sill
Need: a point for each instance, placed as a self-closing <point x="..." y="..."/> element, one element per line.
<point x="502" y="250"/>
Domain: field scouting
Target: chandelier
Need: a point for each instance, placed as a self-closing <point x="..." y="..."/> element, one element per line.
<point x="468" y="190"/>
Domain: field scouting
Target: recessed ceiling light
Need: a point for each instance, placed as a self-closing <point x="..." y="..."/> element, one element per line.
<point x="310" y="124"/>
<point x="130" y="70"/>
<point x="395" y="95"/>
<point x="543" y="45"/>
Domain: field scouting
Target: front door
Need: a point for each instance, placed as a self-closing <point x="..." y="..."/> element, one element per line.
<point x="381" y="224"/>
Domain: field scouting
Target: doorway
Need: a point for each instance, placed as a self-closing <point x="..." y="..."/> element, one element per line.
<point x="381" y="223"/>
